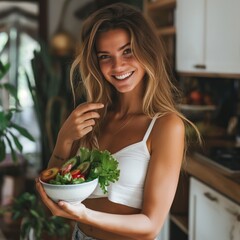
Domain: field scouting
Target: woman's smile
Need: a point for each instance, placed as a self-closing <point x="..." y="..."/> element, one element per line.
<point x="123" y="76"/>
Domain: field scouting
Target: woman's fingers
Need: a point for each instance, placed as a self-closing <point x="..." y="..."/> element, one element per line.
<point x="76" y="212"/>
<point x="52" y="206"/>
<point x="86" y="112"/>
<point x="81" y="121"/>
<point x="85" y="115"/>
<point x="88" y="107"/>
<point x="61" y="209"/>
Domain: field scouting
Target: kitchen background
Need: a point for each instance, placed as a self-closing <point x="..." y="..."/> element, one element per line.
<point x="202" y="39"/>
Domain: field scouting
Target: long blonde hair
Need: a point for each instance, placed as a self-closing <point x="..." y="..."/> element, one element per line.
<point x="159" y="97"/>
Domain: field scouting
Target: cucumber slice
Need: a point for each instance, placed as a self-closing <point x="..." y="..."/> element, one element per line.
<point x="84" y="168"/>
<point x="73" y="161"/>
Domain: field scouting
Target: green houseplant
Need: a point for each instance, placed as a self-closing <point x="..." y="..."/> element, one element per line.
<point x="51" y="94"/>
<point x="36" y="223"/>
<point x="8" y="128"/>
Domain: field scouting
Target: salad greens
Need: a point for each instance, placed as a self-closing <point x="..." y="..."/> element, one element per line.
<point x="66" y="179"/>
<point x="102" y="165"/>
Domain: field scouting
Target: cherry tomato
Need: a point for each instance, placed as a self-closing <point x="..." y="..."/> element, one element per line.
<point x="76" y="173"/>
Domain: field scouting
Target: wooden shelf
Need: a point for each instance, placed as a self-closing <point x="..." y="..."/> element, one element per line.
<point x="161" y="13"/>
<point x="181" y="221"/>
<point x="161" y="4"/>
<point x="166" y="31"/>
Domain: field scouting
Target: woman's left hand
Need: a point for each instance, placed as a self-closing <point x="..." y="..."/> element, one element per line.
<point x="61" y="209"/>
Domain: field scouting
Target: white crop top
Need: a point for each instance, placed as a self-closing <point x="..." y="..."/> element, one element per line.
<point x="133" y="164"/>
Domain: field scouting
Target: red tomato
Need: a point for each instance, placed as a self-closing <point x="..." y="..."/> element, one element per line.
<point x="76" y="173"/>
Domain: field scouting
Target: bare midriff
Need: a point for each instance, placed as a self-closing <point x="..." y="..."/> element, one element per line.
<point x="104" y="205"/>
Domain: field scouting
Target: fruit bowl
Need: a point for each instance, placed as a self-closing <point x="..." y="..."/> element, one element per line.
<point x="72" y="193"/>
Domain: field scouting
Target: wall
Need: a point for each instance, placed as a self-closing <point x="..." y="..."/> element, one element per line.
<point x="71" y="23"/>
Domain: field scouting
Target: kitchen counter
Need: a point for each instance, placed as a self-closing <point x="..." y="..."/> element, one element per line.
<point x="228" y="185"/>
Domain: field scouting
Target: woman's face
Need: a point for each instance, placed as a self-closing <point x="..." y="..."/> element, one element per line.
<point x="116" y="60"/>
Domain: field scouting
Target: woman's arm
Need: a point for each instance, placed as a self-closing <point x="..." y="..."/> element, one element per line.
<point x="167" y="146"/>
<point x="78" y="124"/>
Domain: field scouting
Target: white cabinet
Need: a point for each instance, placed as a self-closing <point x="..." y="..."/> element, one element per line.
<point x="208" y="36"/>
<point x="164" y="233"/>
<point x="211" y="215"/>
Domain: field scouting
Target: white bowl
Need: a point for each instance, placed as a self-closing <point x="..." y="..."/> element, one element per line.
<point x="72" y="193"/>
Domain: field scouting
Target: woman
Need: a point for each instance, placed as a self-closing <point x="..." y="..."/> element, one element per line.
<point x="130" y="111"/>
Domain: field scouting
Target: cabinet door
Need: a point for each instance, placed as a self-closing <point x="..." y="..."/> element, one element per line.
<point x="212" y="216"/>
<point x="190" y="28"/>
<point x="164" y="233"/>
<point x="222" y="35"/>
<point x="208" y="36"/>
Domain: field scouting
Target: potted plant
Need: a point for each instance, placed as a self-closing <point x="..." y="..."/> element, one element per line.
<point x="35" y="222"/>
<point x="51" y="94"/>
<point x="10" y="146"/>
<point x="8" y="128"/>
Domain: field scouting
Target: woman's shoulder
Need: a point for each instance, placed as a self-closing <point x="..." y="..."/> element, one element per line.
<point x="170" y="123"/>
<point x="169" y="118"/>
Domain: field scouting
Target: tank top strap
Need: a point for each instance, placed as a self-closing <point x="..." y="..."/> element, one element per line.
<point x="149" y="128"/>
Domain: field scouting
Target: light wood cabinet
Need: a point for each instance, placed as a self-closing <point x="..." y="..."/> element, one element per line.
<point x="208" y="37"/>
<point x="161" y="13"/>
<point x="212" y="215"/>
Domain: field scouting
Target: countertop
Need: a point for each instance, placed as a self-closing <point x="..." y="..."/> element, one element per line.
<point x="211" y="175"/>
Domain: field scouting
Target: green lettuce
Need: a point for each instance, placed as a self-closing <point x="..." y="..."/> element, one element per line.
<point x="104" y="166"/>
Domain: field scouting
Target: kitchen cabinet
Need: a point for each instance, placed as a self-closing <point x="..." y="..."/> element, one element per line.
<point x="225" y="188"/>
<point x="208" y="37"/>
<point x="212" y="215"/>
<point x="164" y="234"/>
<point x="179" y="212"/>
<point x="161" y="13"/>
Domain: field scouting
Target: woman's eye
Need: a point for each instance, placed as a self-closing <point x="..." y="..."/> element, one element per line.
<point x="103" y="57"/>
<point x="127" y="51"/>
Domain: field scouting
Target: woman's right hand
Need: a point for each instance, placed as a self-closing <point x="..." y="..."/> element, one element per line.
<point x="80" y="122"/>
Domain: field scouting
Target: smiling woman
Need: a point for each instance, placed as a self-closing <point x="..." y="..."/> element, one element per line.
<point x="131" y="112"/>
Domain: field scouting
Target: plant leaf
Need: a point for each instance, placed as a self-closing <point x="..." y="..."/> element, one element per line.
<point x="13" y="152"/>
<point x="3" y="69"/>
<point x="12" y="90"/>
<point x="24" y="132"/>
<point x="34" y="213"/>
<point x="25" y="228"/>
<point x="3" y="121"/>
<point x="16" y="141"/>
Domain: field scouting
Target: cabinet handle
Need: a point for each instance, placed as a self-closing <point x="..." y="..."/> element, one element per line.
<point x="234" y="213"/>
<point x="210" y="197"/>
<point x="200" y="66"/>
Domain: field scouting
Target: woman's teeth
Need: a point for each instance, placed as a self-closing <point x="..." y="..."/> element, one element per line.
<point x="121" y="77"/>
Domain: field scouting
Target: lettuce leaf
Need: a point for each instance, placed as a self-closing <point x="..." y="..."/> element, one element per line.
<point x="104" y="166"/>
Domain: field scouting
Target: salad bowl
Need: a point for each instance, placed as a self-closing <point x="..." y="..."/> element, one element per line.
<point x="79" y="176"/>
<point x="72" y="193"/>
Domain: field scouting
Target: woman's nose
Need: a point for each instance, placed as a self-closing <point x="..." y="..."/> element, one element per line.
<point x="118" y="63"/>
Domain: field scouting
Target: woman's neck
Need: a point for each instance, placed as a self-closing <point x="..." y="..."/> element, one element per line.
<point x="129" y="103"/>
